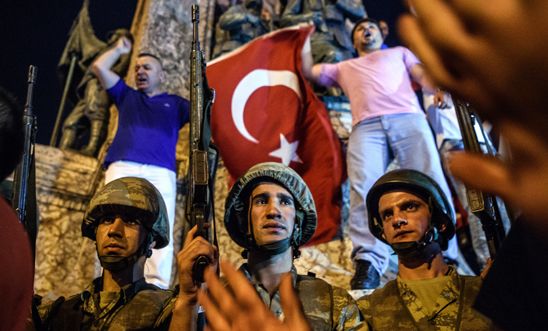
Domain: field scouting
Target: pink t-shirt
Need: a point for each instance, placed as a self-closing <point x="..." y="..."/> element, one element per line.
<point x="376" y="84"/>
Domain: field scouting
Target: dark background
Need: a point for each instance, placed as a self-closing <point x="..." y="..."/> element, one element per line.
<point x="35" y="32"/>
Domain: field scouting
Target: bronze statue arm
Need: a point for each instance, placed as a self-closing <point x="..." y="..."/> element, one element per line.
<point x="352" y="9"/>
<point x="293" y="14"/>
<point x="235" y="17"/>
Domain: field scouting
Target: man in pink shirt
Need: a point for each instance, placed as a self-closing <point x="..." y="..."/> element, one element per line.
<point x="387" y="123"/>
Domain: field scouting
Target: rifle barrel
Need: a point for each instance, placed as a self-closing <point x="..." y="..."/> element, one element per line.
<point x="22" y="172"/>
<point x="484" y="206"/>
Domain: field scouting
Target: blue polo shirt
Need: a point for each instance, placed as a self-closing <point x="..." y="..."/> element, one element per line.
<point x="148" y="127"/>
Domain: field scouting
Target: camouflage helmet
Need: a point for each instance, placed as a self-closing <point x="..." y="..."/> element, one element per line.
<point x="237" y="202"/>
<point x="129" y="196"/>
<point x="416" y="183"/>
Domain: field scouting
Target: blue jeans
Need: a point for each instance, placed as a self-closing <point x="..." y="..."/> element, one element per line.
<point x="373" y="144"/>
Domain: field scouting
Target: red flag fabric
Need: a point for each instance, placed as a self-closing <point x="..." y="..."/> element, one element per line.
<point x="265" y="110"/>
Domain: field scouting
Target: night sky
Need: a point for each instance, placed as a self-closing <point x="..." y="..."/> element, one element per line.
<point x="35" y="32"/>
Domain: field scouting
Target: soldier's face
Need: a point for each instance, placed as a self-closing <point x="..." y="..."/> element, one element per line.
<point x="148" y="74"/>
<point x="272" y="213"/>
<point x="119" y="235"/>
<point x="405" y="217"/>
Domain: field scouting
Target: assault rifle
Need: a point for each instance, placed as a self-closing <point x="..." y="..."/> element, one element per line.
<point x="24" y="189"/>
<point x="203" y="155"/>
<point x="484" y="206"/>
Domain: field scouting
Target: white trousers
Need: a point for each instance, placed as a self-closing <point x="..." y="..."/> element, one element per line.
<point x="158" y="266"/>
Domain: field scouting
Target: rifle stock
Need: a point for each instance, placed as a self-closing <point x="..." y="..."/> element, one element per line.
<point x="202" y="158"/>
<point x="483" y="205"/>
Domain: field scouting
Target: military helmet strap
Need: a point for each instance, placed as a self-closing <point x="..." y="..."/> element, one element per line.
<point x="115" y="263"/>
<point x="427" y="244"/>
<point x="415" y="248"/>
<point x="264" y="250"/>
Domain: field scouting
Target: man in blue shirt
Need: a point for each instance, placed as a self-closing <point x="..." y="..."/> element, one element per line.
<point x="144" y="145"/>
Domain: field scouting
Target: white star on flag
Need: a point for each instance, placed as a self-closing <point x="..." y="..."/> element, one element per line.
<point x="287" y="151"/>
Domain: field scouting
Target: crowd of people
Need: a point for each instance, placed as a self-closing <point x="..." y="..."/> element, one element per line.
<point x="475" y="50"/>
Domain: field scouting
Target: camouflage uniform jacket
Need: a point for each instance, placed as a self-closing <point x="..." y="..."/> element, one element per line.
<point x="138" y="306"/>
<point x="325" y="306"/>
<point x="389" y="308"/>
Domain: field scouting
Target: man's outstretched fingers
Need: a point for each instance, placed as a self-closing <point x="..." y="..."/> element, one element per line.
<point x="215" y="318"/>
<point x="220" y="294"/>
<point x="243" y="291"/>
<point x="489" y="175"/>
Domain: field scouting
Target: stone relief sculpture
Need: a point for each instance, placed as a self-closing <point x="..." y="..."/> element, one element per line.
<point x="240" y="24"/>
<point x="331" y="42"/>
<point x="89" y="117"/>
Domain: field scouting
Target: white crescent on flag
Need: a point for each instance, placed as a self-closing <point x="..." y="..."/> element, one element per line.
<point x="250" y="83"/>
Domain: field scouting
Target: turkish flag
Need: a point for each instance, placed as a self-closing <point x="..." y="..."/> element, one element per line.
<point x="265" y="110"/>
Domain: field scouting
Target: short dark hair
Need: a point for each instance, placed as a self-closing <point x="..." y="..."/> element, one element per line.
<point x="366" y="19"/>
<point x="11" y="133"/>
<point x="154" y="56"/>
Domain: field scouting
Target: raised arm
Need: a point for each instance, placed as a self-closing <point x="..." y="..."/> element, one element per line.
<point x="311" y="71"/>
<point x="101" y="67"/>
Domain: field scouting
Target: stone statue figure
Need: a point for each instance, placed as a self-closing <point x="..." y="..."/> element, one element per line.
<point x="331" y="42"/>
<point x="89" y="117"/>
<point x="240" y="24"/>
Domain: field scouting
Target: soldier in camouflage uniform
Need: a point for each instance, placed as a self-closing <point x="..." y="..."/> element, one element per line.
<point x="126" y="218"/>
<point x="409" y="211"/>
<point x="270" y="213"/>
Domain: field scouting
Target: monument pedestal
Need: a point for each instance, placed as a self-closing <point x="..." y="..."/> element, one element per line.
<point x="65" y="181"/>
